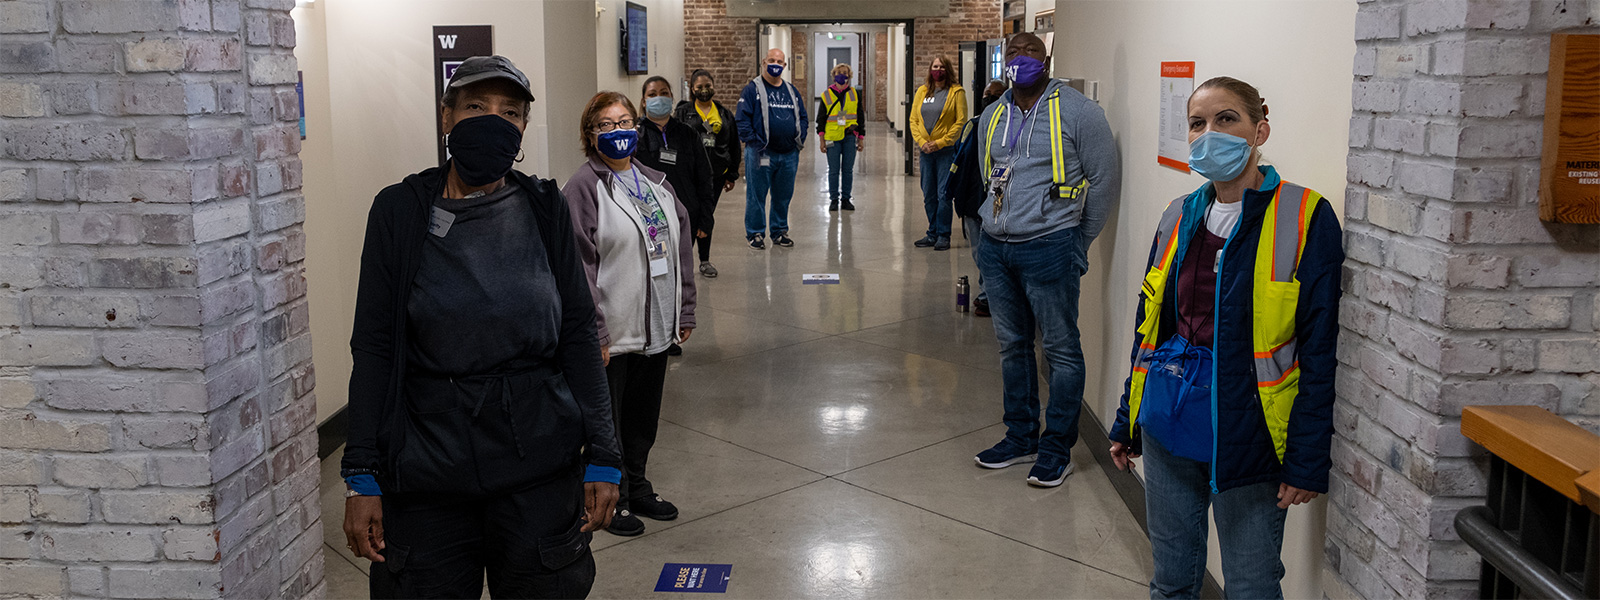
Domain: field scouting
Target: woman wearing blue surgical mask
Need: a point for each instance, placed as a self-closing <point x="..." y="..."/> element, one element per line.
<point x="1230" y="399"/>
<point x="633" y="237"/>
<point x="669" y="145"/>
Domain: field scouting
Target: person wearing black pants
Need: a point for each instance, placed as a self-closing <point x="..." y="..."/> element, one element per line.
<point x="714" y="123"/>
<point x="481" y="440"/>
<point x="633" y="237"/>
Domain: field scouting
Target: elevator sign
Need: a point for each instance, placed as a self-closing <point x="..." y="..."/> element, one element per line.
<point x="451" y="45"/>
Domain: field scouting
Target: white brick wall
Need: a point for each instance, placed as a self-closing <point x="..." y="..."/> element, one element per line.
<point x="156" y="391"/>
<point x="1456" y="294"/>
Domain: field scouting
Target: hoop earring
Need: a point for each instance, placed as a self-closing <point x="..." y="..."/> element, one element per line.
<point x="520" y="155"/>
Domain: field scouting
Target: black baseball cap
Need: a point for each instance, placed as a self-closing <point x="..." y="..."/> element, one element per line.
<point x="483" y="68"/>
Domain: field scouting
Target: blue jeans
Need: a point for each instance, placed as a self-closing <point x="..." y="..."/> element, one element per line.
<point x="1035" y="284"/>
<point x="777" y="177"/>
<point x="1249" y="527"/>
<point x="841" y="162"/>
<point x="935" y="173"/>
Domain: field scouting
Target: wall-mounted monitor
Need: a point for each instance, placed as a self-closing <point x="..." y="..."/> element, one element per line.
<point x="635" y="40"/>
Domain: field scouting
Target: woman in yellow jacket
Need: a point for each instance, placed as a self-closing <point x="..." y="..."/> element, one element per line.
<point x="937" y="112"/>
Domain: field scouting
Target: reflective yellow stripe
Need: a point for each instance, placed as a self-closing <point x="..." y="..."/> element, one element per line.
<point x="988" y="142"/>
<point x="1275" y="300"/>
<point x="1058" y="168"/>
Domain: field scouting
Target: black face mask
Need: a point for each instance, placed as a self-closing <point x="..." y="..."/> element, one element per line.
<point x="985" y="101"/>
<point x="483" y="148"/>
<point x="703" y="95"/>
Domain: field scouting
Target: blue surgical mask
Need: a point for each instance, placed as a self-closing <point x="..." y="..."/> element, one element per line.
<point x="657" y="107"/>
<point x="775" y="70"/>
<point x="1218" y="156"/>
<point x="618" y="144"/>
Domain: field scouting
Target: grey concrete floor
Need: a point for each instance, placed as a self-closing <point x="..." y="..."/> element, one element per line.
<point x="819" y="438"/>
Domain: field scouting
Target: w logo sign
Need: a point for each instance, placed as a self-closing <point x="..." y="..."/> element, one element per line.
<point x="447" y="41"/>
<point x="1011" y="72"/>
<point x="620" y="144"/>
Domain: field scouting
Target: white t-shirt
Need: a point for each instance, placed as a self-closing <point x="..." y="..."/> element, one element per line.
<point x="1223" y="217"/>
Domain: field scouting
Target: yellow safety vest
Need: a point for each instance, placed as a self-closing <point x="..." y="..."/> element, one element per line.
<point x="841" y="114"/>
<point x="1274" y="297"/>
<point x="1058" y="163"/>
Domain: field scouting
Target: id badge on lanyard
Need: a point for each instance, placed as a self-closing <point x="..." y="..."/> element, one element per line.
<point x="999" y="180"/>
<point x="669" y="156"/>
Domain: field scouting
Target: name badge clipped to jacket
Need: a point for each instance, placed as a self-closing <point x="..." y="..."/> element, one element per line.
<point x="1176" y="409"/>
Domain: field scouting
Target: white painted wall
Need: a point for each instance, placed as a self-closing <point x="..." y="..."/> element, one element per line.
<point x="896" y="78"/>
<point x="370" y="122"/>
<point x="1303" y="72"/>
<point x="666" y="46"/>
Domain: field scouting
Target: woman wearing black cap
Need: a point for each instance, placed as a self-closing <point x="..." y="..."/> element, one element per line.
<point x="478" y="381"/>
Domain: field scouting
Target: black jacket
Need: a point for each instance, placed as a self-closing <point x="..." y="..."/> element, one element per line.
<point x="397" y="227"/>
<point x="726" y="153"/>
<point x="964" y="190"/>
<point x="690" y="175"/>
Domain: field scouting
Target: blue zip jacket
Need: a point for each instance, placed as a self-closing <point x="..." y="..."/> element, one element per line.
<point x="753" y="130"/>
<point x="1244" y="449"/>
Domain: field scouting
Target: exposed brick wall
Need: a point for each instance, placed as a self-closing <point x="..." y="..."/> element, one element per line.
<point x="722" y="45"/>
<point x="156" y="406"/>
<point x="880" y="91"/>
<point x="1455" y="293"/>
<point x="969" y="20"/>
<point x="800" y="70"/>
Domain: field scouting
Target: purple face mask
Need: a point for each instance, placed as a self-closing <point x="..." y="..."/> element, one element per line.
<point x="1024" y="70"/>
<point x="841" y="79"/>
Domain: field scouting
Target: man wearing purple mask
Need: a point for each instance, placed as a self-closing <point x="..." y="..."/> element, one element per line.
<point x="1052" y="175"/>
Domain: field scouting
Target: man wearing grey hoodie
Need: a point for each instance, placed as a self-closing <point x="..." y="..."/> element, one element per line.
<point x="1052" y="175"/>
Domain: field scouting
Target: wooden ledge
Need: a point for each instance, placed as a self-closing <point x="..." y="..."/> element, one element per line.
<point x="1541" y="444"/>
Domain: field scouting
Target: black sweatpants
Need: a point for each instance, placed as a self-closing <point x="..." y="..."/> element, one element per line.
<point x="440" y="545"/>
<point x="636" y="384"/>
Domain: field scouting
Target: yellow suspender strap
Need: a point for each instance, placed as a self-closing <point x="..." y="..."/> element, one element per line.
<point x="1058" y="167"/>
<point x="988" y="142"/>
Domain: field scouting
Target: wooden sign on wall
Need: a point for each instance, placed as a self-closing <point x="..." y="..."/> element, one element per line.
<point x="1569" y="173"/>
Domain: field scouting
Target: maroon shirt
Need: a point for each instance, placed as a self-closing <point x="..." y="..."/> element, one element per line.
<point x="1197" y="285"/>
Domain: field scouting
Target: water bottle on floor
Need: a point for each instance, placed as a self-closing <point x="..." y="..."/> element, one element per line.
<point x="963" y="291"/>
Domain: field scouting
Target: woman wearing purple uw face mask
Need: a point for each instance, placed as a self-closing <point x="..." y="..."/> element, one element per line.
<point x="1230" y="400"/>
<point x="634" y="239"/>
<point x="842" y="133"/>
<point x="937" y="111"/>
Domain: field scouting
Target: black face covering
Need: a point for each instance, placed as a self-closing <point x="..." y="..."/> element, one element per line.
<point x="985" y="101"/>
<point x="703" y="95"/>
<point x="483" y="148"/>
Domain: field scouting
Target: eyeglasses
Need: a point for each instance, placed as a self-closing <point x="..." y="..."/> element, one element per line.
<point x="606" y="126"/>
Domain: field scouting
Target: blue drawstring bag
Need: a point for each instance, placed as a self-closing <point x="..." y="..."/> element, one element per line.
<point x="1176" y="408"/>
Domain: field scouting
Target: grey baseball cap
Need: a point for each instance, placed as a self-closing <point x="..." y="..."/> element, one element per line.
<point x="483" y="68"/>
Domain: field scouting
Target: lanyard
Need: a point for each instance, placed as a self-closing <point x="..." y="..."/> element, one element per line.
<point x="637" y="192"/>
<point x="1026" y="114"/>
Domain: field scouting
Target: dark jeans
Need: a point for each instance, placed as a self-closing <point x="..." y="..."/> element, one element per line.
<point x="778" y="178"/>
<point x="636" y="384"/>
<point x="1034" y="284"/>
<point x="935" y="173"/>
<point x="528" y="541"/>
<point x="841" y="164"/>
<point x="1177" y="492"/>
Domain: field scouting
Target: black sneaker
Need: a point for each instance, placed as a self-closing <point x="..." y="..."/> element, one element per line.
<point x="653" y="507"/>
<point x="980" y="308"/>
<point x="758" y="242"/>
<point x="625" y="524"/>
<point x="674" y="350"/>
<point x="941" y="244"/>
<point x="845" y="204"/>
<point x="833" y="206"/>
<point x="926" y="242"/>
<point x="782" y="240"/>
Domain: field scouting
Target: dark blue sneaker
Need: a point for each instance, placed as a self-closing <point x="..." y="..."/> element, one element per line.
<point x="758" y="242"/>
<point x="1005" y="454"/>
<point x="1050" y="471"/>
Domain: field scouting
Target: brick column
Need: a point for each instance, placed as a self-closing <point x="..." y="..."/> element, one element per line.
<point x="880" y="88"/>
<point x="799" y="45"/>
<point x="1455" y="293"/>
<point x="968" y="21"/>
<point x="156" y="403"/>
<point x="722" y="45"/>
